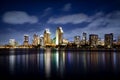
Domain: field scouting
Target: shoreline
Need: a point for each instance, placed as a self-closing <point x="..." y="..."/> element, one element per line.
<point x="23" y="51"/>
<point x="66" y="49"/>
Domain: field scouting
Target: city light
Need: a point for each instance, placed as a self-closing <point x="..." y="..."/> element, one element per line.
<point x="80" y="42"/>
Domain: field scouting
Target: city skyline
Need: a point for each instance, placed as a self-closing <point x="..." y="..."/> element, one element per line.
<point x="59" y="39"/>
<point x="74" y="16"/>
<point x="44" y="40"/>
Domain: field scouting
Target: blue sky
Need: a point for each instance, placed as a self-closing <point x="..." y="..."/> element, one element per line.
<point x="19" y="17"/>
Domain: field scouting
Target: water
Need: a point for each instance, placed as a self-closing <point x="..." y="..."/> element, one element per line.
<point x="51" y="64"/>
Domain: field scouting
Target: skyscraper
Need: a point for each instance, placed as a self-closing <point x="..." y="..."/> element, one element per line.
<point x="47" y="39"/>
<point x="93" y="40"/>
<point x="36" y="40"/>
<point x="59" y="36"/>
<point x="12" y="42"/>
<point x="108" y="40"/>
<point x="26" y="40"/>
<point x="41" y="40"/>
<point x="84" y="38"/>
<point x="77" y="40"/>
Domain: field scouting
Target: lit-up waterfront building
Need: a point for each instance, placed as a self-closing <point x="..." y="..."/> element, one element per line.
<point x="84" y="38"/>
<point x="101" y="42"/>
<point x="108" y="40"/>
<point x="54" y="40"/>
<point x="12" y="42"/>
<point x="77" y="40"/>
<point x="65" y="41"/>
<point x="36" y="40"/>
<point x="59" y="36"/>
<point x="41" y="40"/>
<point x="47" y="39"/>
<point x="26" y="40"/>
<point x="93" y="40"/>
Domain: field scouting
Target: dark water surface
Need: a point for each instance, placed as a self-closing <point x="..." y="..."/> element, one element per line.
<point x="52" y="64"/>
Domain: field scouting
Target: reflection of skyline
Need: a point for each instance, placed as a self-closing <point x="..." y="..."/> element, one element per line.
<point x="57" y="59"/>
<point x="94" y="60"/>
<point x="62" y="62"/>
<point x="47" y="59"/>
<point x="12" y="63"/>
<point x="114" y="60"/>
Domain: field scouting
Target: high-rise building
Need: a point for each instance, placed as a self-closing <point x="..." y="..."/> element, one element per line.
<point x="47" y="39"/>
<point x="84" y="38"/>
<point x="93" y="40"/>
<point x="54" y="40"/>
<point x="41" y="40"/>
<point x="108" y="40"/>
<point x="101" y="42"/>
<point x="77" y="39"/>
<point x="59" y="36"/>
<point x="36" y="40"/>
<point x="65" y="41"/>
<point x="26" y="40"/>
<point x="12" y="42"/>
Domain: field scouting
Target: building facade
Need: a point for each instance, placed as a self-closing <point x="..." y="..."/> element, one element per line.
<point x="12" y="42"/>
<point x="42" y="40"/>
<point x="26" y="40"/>
<point x="59" y="36"/>
<point x="108" y="40"/>
<point x="93" y="40"/>
<point x="77" y="40"/>
<point x="84" y="38"/>
<point x="47" y="39"/>
<point x="36" y="40"/>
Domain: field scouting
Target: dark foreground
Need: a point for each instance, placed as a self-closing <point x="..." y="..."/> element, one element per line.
<point x="59" y="64"/>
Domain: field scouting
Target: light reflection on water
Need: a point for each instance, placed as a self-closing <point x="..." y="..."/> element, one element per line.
<point x="47" y="59"/>
<point x="60" y="63"/>
<point x="12" y="63"/>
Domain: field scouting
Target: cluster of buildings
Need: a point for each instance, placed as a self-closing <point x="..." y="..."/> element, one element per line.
<point x="95" y="42"/>
<point x="42" y="40"/>
<point x="58" y="41"/>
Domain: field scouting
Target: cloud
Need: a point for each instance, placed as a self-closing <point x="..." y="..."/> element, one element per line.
<point x="67" y="7"/>
<point x="74" y="19"/>
<point x="101" y="24"/>
<point x="47" y="9"/>
<point x="46" y="12"/>
<point x="19" y="17"/>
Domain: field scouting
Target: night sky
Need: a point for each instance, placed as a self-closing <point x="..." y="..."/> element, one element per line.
<point x="19" y="17"/>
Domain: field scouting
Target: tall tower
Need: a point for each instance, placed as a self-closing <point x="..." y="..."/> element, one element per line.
<point x="108" y="40"/>
<point x="84" y="38"/>
<point x="47" y="39"/>
<point x="41" y="40"/>
<point x="77" y="40"/>
<point x="36" y="40"/>
<point x="26" y="40"/>
<point x="12" y="42"/>
<point x="93" y="40"/>
<point x="59" y="36"/>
